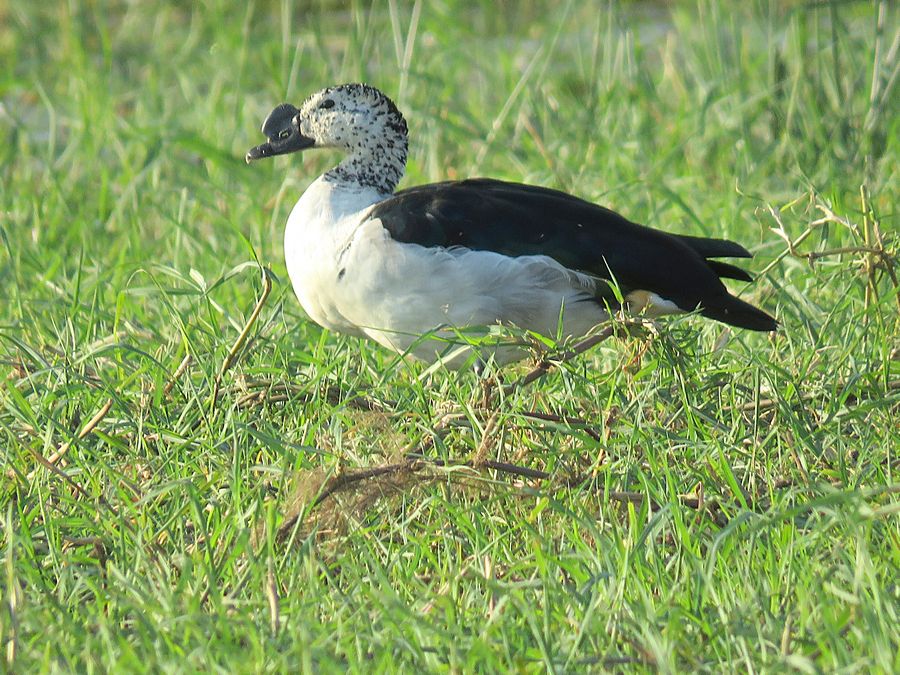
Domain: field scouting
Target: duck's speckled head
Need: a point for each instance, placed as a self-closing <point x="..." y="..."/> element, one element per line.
<point x="348" y="116"/>
<point x="356" y="118"/>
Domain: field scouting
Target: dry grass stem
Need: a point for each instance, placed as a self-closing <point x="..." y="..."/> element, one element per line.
<point x="231" y="357"/>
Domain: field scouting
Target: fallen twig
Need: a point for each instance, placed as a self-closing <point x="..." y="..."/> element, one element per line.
<point x="179" y="371"/>
<point x="271" y="589"/>
<point x="342" y="481"/>
<point x="545" y="365"/>
<point x="415" y="463"/>
<point x="64" y="448"/>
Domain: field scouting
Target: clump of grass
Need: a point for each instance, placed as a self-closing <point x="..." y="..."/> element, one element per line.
<point x="687" y="497"/>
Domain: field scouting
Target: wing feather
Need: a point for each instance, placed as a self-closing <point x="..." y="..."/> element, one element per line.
<point x="517" y="220"/>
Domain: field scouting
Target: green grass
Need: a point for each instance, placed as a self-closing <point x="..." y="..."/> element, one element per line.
<point x="132" y="234"/>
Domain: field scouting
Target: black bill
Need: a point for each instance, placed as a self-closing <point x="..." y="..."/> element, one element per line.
<point x="284" y="136"/>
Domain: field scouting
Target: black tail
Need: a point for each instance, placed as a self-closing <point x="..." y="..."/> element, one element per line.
<point x="715" y="248"/>
<point x="727" y="308"/>
<point x="735" y="312"/>
<point x="724" y="270"/>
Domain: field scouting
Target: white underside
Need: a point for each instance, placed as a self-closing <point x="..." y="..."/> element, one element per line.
<point x="351" y="276"/>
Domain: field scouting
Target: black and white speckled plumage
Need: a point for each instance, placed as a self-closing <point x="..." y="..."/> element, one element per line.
<point x="394" y="266"/>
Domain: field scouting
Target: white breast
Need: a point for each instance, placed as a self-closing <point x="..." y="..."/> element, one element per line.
<point x="319" y="227"/>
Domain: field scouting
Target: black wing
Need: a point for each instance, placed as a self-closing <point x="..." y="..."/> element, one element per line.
<point x="517" y="220"/>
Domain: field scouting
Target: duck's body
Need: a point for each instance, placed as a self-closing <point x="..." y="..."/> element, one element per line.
<point x="352" y="276"/>
<point x="434" y="259"/>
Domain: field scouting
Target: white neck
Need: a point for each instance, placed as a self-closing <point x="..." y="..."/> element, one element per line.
<point x="327" y="201"/>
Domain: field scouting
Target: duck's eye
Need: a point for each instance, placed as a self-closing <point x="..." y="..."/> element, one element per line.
<point x="284" y="133"/>
<point x="326" y="104"/>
